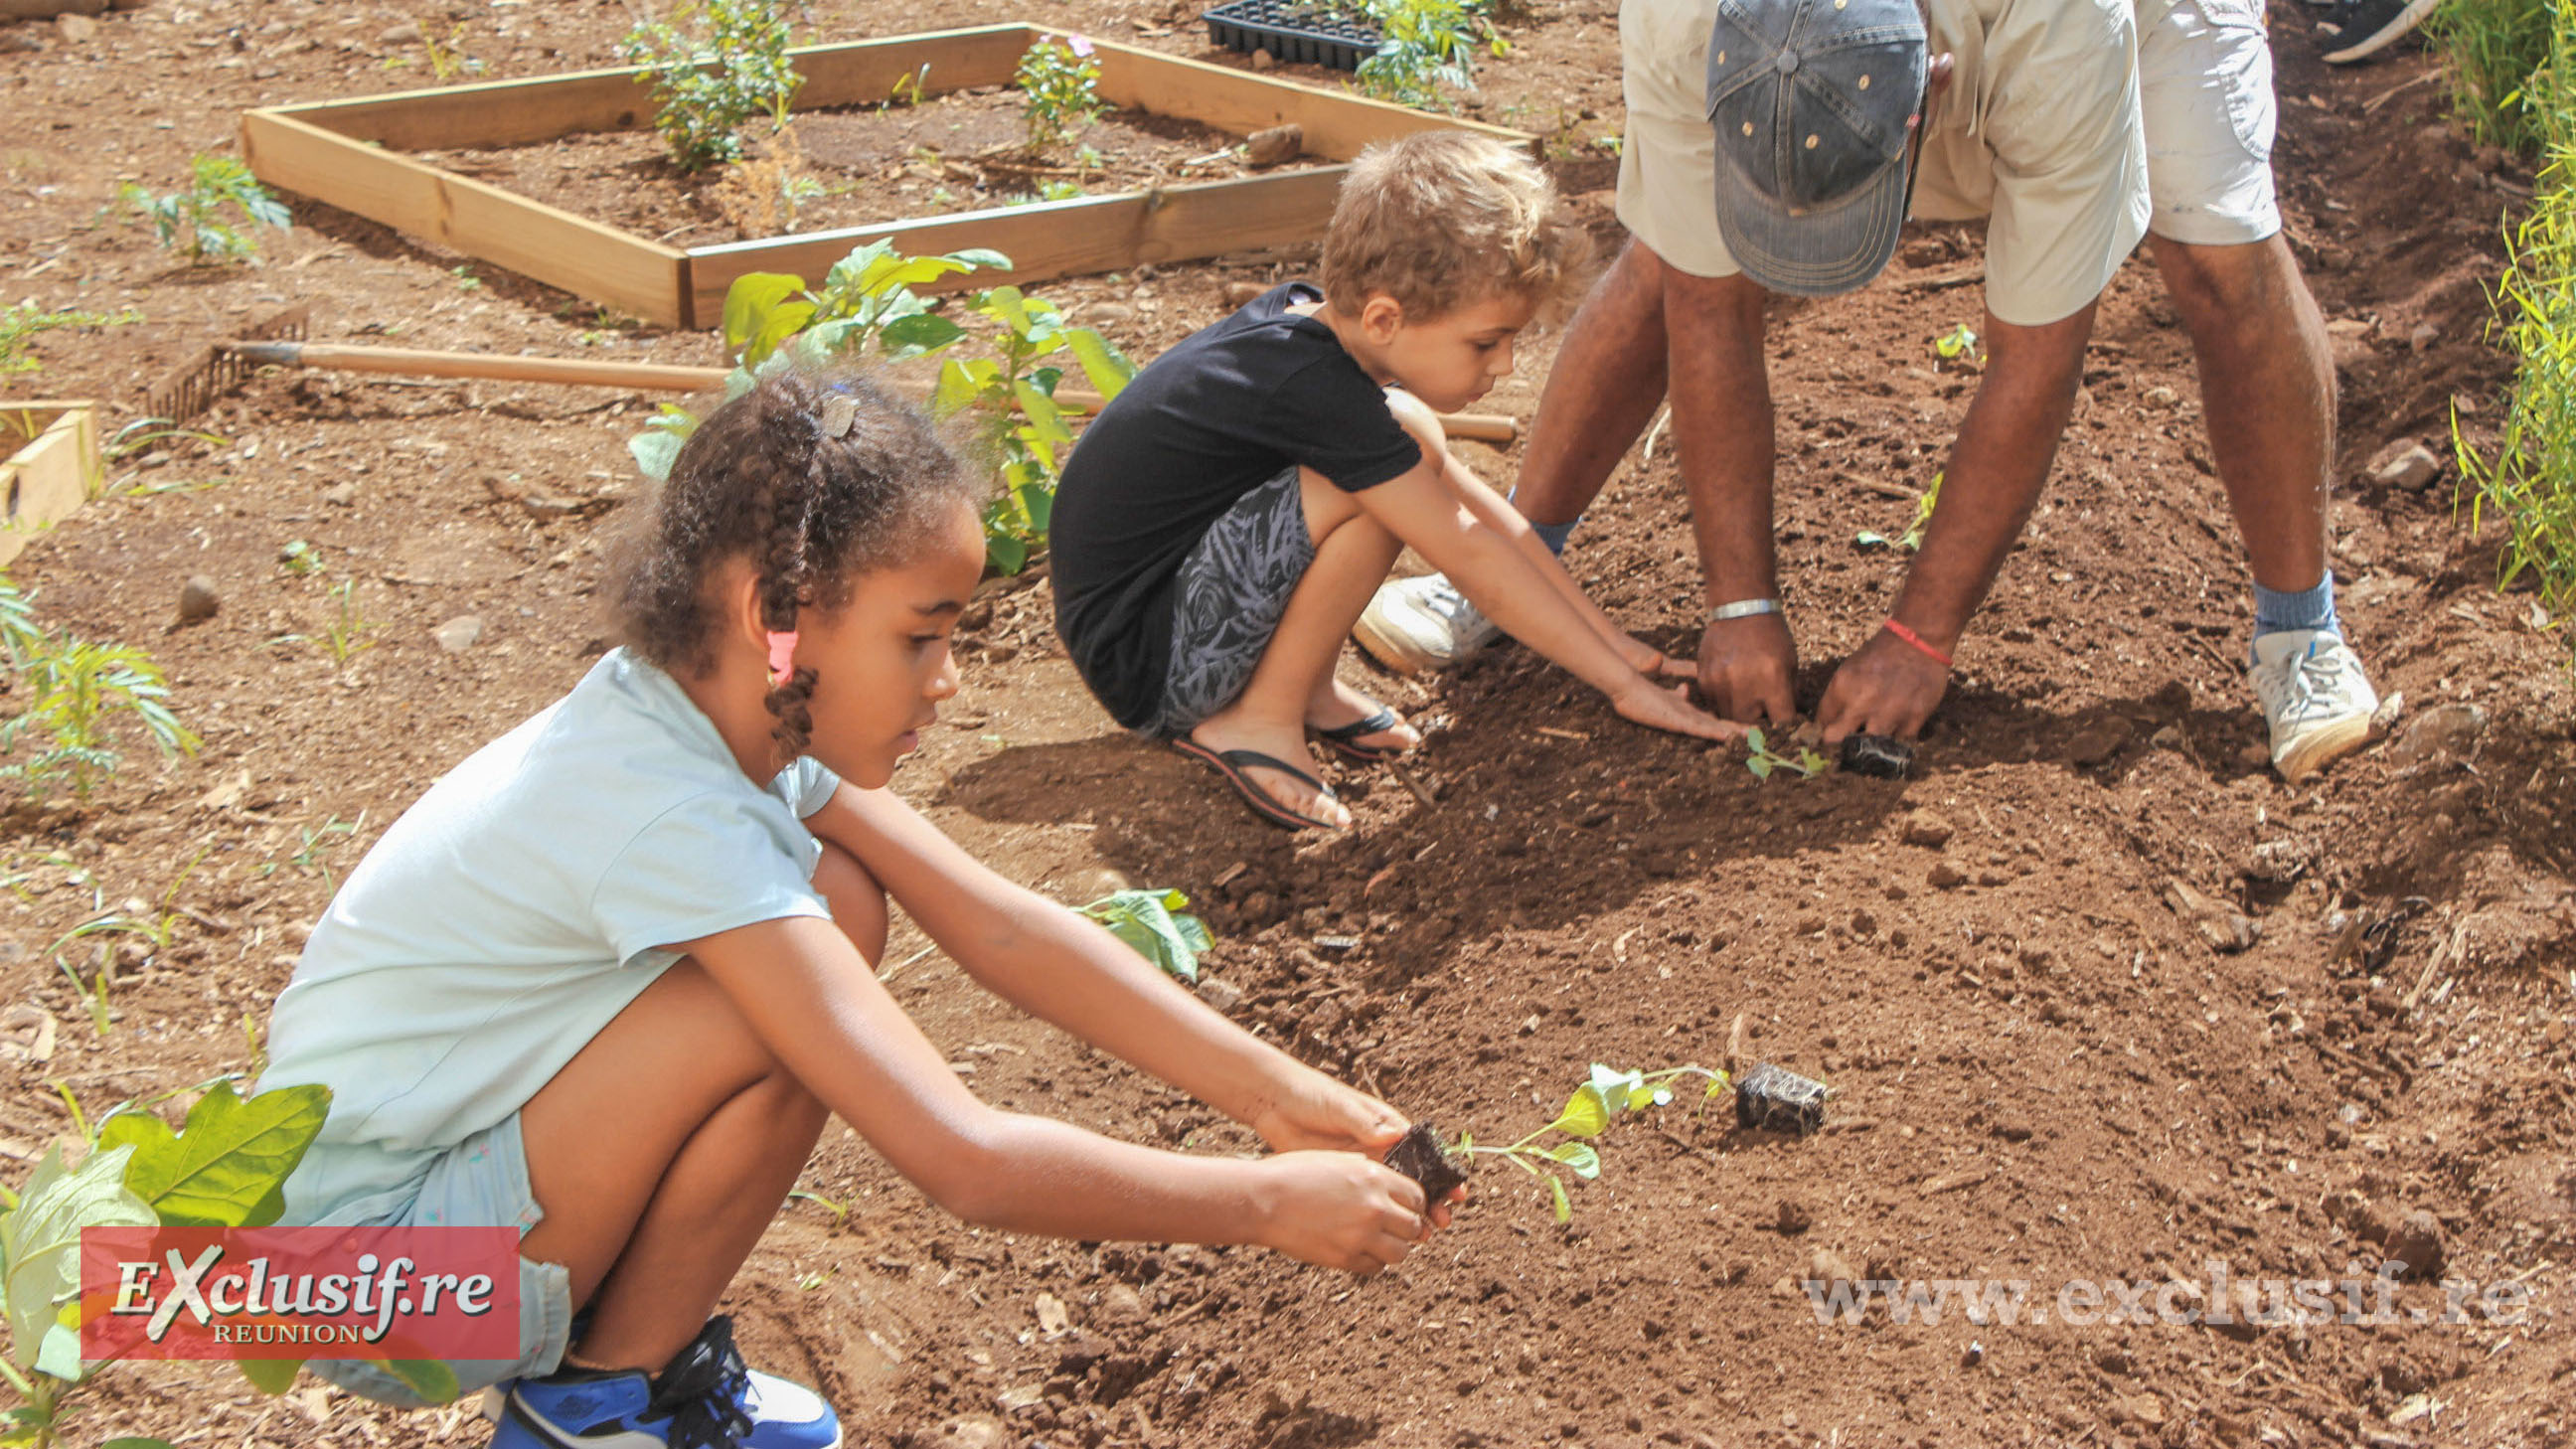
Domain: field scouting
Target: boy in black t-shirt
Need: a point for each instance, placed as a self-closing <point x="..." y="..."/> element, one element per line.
<point x="1223" y="522"/>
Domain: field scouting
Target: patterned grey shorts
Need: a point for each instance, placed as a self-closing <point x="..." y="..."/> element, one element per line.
<point x="1231" y="593"/>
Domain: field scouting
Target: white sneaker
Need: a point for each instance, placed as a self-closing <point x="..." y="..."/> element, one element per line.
<point x="2314" y="694"/>
<point x="1416" y="624"/>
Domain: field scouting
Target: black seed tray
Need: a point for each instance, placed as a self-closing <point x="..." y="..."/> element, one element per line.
<point x="1292" y="30"/>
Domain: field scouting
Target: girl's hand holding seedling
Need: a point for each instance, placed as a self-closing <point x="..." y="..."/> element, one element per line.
<point x="1341" y="1210"/>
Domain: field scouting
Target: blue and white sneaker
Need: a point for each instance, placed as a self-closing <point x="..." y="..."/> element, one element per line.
<point x="2315" y="697"/>
<point x="703" y="1399"/>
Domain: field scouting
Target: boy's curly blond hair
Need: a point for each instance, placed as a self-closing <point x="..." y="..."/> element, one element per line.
<point x="1440" y="220"/>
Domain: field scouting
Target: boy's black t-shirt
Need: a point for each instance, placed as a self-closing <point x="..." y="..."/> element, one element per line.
<point x="1207" y="422"/>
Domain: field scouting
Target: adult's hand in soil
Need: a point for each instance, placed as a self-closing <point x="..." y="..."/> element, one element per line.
<point x="1651" y="704"/>
<point x="1889" y="687"/>
<point x="1340" y="1210"/>
<point x="1745" y="669"/>
<point x="1311" y="1111"/>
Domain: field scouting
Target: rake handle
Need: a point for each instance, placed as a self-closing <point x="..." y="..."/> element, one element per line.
<point x="650" y="376"/>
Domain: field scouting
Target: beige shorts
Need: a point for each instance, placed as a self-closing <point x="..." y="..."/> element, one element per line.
<point x="2202" y="86"/>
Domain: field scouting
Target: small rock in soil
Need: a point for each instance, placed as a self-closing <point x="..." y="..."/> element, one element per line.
<point x="1794" y="1217"/>
<point x="340" y="495"/>
<point x="2444" y="732"/>
<point x="968" y="1431"/>
<point x="2161" y="397"/>
<point x="1225" y="996"/>
<point x="2225" y="928"/>
<point x="1419" y="1155"/>
<point x="1827" y="1266"/>
<point x="2417" y="1246"/>
<point x="1882" y="756"/>
<point x="198" y="600"/>
<point x="2424" y="336"/>
<point x="1928" y="829"/>
<point x="78" y="29"/>
<point x="460" y="633"/>
<point x="1106" y="314"/>
<point x="406" y="33"/>
<point x="1264" y="60"/>
<point x="1948" y="877"/>
<point x="2406" y="464"/>
<point x="2099" y="741"/>
<point x="1120" y="1303"/>
<point x="1275" y="145"/>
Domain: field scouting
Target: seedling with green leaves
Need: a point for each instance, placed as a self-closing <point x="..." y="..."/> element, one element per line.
<point x="191" y="220"/>
<point x="1153" y="923"/>
<point x="1606" y="1093"/>
<point x="1761" y="759"/>
<point x="318" y="843"/>
<point x="1958" y="342"/>
<point x="346" y="631"/>
<point x="1911" y="540"/>
<point x="76" y="692"/>
<point x="1059" y="85"/>
<point x="773" y="318"/>
<point x="20" y="322"/>
<point x="225" y="1166"/>
<point x="1425" y="45"/>
<point x="716" y="64"/>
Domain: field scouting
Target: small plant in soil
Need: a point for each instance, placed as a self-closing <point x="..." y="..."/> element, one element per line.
<point x="224" y="1167"/>
<point x="1153" y="923"/>
<point x="1059" y="85"/>
<point x="346" y="630"/>
<point x="20" y="322"/>
<point x="1425" y="45"/>
<point x="75" y="692"/>
<point x="1883" y="756"/>
<point x="1958" y="342"/>
<point x="310" y="857"/>
<point x="1762" y="760"/>
<point x="191" y="221"/>
<point x="716" y="65"/>
<point x="1420" y="1155"/>
<point x="1911" y="539"/>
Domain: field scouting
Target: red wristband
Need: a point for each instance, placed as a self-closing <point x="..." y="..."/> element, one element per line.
<point x="1910" y="637"/>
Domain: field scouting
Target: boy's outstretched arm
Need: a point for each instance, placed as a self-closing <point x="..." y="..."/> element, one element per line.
<point x="815" y="1002"/>
<point x="1055" y="965"/>
<point x="1428" y="510"/>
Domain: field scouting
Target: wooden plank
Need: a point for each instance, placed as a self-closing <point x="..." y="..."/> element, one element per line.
<point x="1337" y="125"/>
<point x="47" y="480"/>
<point x="1055" y="239"/>
<point x="537" y="109"/>
<point x="584" y="258"/>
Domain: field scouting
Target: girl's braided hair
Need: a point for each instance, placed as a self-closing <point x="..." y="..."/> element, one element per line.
<point x="816" y="477"/>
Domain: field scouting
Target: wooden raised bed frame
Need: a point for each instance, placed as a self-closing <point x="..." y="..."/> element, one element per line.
<point x="49" y="466"/>
<point x="349" y="154"/>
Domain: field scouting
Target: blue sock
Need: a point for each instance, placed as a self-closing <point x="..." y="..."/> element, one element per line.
<point x="2306" y="609"/>
<point x="1553" y="535"/>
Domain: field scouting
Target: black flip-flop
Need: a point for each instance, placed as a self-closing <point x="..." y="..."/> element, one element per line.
<point x="1232" y="763"/>
<point x="1345" y="738"/>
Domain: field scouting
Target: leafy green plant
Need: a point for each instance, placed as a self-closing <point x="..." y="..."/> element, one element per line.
<point x="715" y="65"/>
<point x="1911" y="539"/>
<point x="20" y="322"/>
<point x="1958" y="342"/>
<point x="191" y="221"/>
<point x="76" y="691"/>
<point x="2493" y="52"/>
<point x="1762" y="760"/>
<point x="1605" y="1094"/>
<point x="1153" y="923"/>
<point x="868" y="299"/>
<point x="226" y="1166"/>
<point x="299" y="556"/>
<point x="1425" y="45"/>
<point x="1059" y="85"/>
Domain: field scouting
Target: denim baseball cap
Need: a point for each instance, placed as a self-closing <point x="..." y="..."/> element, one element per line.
<point x="1809" y="99"/>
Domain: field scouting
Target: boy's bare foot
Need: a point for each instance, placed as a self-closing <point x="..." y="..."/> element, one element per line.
<point x="1286" y="743"/>
<point x="1337" y="706"/>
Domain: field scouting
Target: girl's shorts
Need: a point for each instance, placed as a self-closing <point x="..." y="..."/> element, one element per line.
<point x="1228" y="600"/>
<point x="480" y="1182"/>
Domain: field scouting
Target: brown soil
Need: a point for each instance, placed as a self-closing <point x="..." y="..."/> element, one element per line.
<point x="2097" y="997"/>
<point x="965" y="151"/>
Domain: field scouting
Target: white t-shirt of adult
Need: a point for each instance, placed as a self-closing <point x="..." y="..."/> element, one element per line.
<point x="512" y="912"/>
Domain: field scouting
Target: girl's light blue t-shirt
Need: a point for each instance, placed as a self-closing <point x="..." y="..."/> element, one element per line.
<point x="510" y="915"/>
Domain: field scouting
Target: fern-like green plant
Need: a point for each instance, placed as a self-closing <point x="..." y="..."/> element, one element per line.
<point x="75" y="691"/>
<point x="191" y="221"/>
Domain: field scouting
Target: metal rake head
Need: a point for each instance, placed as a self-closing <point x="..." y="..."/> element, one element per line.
<point x="193" y="386"/>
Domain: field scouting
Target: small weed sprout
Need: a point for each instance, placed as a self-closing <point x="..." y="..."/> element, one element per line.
<point x="466" y="281"/>
<point x="1761" y="760"/>
<point x="20" y="322"/>
<point x="760" y="196"/>
<point x="1958" y="342"/>
<point x="447" y="57"/>
<point x="190" y="221"/>
<point x="1608" y="1092"/>
<point x="1059" y="85"/>
<point x="721" y="64"/>
<point x="908" y="90"/>
<point x="299" y="556"/>
<point x="310" y="858"/>
<point x="1911" y="539"/>
<point x="346" y="633"/>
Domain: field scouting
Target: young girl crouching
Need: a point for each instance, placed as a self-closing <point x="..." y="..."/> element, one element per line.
<point x="606" y="980"/>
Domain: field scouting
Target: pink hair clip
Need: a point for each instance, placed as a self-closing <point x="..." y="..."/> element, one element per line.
<point x="782" y="657"/>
